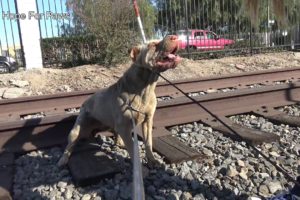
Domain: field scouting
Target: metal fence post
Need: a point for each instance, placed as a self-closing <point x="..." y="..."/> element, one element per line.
<point x="187" y="28"/>
<point x="251" y="42"/>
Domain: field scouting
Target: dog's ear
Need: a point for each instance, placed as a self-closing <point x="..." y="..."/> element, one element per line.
<point x="153" y="43"/>
<point x="134" y="52"/>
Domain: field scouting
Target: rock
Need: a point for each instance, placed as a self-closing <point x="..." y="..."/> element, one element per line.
<point x="86" y="197"/>
<point x="254" y="198"/>
<point x="151" y="189"/>
<point x="267" y="126"/>
<point x="275" y="154"/>
<point x="207" y="152"/>
<point x="68" y="194"/>
<point x="243" y="173"/>
<point x="264" y="175"/>
<point x="239" y="66"/>
<point x="274" y="186"/>
<point x="236" y="191"/>
<point x="173" y="196"/>
<point x="2" y="90"/>
<point x="231" y="171"/>
<point x="211" y="91"/>
<point x="199" y="197"/>
<point x="19" y="83"/>
<point x="186" y="196"/>
<point x="65" y="88"/>
<point x="125" y="191"/>
<point x="241" y="163"/>
<point x="11" y="93"/>
<point x="263" y="190"/>
<point x="61" y="184"/>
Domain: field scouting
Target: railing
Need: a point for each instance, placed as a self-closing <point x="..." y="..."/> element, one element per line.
<point x="213" y="26"/>
<point x="10" y="44"/>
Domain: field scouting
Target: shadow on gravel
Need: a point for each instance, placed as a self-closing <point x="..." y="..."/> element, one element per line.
<point x="38" y="177"/>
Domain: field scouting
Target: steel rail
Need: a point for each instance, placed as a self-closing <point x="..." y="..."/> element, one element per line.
<point x="23" y="135"/>
<point x="58" y="103"/>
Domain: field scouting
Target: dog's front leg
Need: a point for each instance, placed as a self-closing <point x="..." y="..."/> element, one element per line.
<point x="147" y="135"/>
<point x="79" y="126"/>
<point x="73" y="136"/>
<point x="124" y="130"/>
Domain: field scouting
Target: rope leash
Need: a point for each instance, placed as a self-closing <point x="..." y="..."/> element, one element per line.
<point x="279" y="168"/>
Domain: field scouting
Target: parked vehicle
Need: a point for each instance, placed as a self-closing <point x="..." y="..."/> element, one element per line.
<point x="7" y="64"/>
<point x="202" y="40"/>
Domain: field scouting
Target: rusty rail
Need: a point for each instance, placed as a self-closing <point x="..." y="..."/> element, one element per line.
<point x="52" y="105"/>
<point x="19" y="136"/>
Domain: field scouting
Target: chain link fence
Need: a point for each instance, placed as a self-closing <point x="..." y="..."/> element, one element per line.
<point x="99" y="31"/>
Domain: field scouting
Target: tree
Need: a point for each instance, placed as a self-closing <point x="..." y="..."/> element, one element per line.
<point x="113" y="23"/>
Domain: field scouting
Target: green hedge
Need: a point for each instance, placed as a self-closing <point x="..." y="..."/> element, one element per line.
<point x="87" y="49"/>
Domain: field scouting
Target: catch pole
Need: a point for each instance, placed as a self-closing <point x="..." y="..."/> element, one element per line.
<point x="138" y="184"/>
<point x="137" y="13"/>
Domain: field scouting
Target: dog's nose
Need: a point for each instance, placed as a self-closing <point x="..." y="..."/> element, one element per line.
<point x="173" y="37"/>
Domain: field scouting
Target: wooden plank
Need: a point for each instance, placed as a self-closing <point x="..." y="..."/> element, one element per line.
<point x="174" y="150"/>
<point x="90" y="166"/>
<point x="249" y="134"/>
<point x="283" y="118"/>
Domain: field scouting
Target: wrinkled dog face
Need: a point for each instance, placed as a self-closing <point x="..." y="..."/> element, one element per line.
<point x="158" y="55"/>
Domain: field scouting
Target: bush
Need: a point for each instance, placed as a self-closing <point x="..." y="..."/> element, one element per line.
<point x="113" y="29"/>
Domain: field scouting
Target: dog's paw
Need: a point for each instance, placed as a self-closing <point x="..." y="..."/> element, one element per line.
<point x="154" y="163"/>
<point x="62" y="161"/>
<point x="119" y="142"/>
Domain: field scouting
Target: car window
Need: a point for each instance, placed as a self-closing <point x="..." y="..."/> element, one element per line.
<point x="210" y="35"/>
<point x="199" y="35"/>
<point x="183" y="32"/>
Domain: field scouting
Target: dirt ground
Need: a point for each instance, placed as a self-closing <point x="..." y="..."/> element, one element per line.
<point x="49" y="81"/>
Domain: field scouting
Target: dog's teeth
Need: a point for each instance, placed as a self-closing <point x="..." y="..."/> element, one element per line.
<point x="171" y="56"/>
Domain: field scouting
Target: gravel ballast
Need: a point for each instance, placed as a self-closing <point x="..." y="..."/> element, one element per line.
<point x="231" y="170"/>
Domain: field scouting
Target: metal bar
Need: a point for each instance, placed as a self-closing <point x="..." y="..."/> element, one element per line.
<point x="187" y="28"/>
<point x="62" y="11"/>
<point x="5" y="32"/>
<point x="45" y="24"/>
<point x="20" y="36"/>
<point x="57" y="24"/>
<point x="12" y="32"/>
<point x="51" y="19"/>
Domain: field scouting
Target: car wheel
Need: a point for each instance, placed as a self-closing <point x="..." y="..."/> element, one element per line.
<point x="3" y="68"/>
<point x="226" y="47"/>
<point x="192" y="48"/>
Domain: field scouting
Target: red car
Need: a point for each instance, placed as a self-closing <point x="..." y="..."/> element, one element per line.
<point x="202" y="40"/>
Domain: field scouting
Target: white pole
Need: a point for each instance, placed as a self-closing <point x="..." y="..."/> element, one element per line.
<point x="30" y="34"/>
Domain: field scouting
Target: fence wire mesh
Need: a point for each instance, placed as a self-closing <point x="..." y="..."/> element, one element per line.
<point x="96" y="29"/>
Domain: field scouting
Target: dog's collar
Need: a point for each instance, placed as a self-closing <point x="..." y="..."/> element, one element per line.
<point x="136" y="110"/>
<point x="129" y="105"/>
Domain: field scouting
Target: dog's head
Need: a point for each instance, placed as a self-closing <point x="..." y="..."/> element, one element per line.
<point x="157" y="55"/>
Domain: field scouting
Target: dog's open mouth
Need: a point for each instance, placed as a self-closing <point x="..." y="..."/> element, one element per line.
<point x="168" y="58"/>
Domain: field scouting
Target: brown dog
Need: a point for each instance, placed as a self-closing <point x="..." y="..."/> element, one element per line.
<point x="111" y="107"/>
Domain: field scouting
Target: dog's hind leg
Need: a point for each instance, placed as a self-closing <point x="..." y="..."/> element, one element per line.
<point x="77" y="129"/>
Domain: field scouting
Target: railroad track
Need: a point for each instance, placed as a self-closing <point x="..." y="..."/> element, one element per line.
<point x="259" y="93"/>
